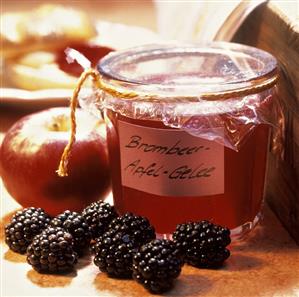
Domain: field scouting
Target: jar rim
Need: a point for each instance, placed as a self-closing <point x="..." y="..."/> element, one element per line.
<point x="226" y="69"/>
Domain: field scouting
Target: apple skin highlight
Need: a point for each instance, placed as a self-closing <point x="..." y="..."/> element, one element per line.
<point x="31" y="151"/>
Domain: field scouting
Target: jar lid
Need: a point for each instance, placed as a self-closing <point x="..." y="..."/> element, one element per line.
<point x="189" y="70"/>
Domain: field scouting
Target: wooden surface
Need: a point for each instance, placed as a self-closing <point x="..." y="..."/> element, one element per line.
<point x="266" y="264"/>
<point x="269" y="29"/>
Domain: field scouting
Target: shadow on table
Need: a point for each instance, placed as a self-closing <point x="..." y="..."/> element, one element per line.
<point x="185" y="285"/>
<point x="191" y="285"/>
<point x="240" y="262"/>
<point x="14" y="257"/>
<point x="50" y="280"/>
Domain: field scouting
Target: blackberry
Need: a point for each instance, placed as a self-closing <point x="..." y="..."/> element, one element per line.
<point x="136" y="226"/>
<point x="98" y="216"/>
<point x="203" y="243"/>
<point x="115" y="248"/>
<point x="52" y="251"/>
<point x="75" y="224"/>
<point x="157" y="264"/>
<point x="114" y="252"/>
<point x="24" y="225"/>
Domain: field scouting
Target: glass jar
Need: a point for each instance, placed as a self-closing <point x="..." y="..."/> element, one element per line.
<point x="188" y="132"/>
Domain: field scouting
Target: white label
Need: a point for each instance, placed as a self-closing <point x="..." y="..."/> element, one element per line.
<point x="170" y="162"/>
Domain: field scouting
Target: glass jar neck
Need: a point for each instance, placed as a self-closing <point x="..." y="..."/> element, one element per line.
<point x="211" y="72"/>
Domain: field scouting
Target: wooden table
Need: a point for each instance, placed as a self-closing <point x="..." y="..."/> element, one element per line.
<point x="265" y="264"/>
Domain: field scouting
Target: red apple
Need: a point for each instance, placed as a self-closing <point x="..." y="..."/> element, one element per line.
<point x="30" y="154"/>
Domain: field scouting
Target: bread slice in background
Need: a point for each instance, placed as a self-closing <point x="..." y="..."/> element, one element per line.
<point x="45" y="28"/>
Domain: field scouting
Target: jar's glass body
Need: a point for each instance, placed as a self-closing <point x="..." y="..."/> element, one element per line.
<point x="238" y="205"/>
<point x="174" y="167"/>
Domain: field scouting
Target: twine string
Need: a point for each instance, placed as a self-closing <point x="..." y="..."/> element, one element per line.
<point x="97" y="83"/>
<point x="62" y="168"/>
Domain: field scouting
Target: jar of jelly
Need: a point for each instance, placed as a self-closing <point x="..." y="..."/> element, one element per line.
<point x="188" y="132"/>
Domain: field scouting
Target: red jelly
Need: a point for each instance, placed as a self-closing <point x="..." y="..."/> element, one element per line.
<point x="188" y="132"/>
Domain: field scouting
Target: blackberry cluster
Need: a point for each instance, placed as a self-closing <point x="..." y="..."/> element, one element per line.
<point x="157" y="264"/>
<point x="136" y="226"/>
<point x="76" y="225"/>
<point x="203" y="243"/>
<point x="124" y="246"/>
<point x="24" y="225"/>
<point x="114" y="250"/>
<point x="98" y="216"/>
<point x="52" y="251"/>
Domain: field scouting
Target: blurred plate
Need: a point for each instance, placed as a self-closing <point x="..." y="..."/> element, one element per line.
<point x="117" y="36"/>
<point x="31" y="99"/>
